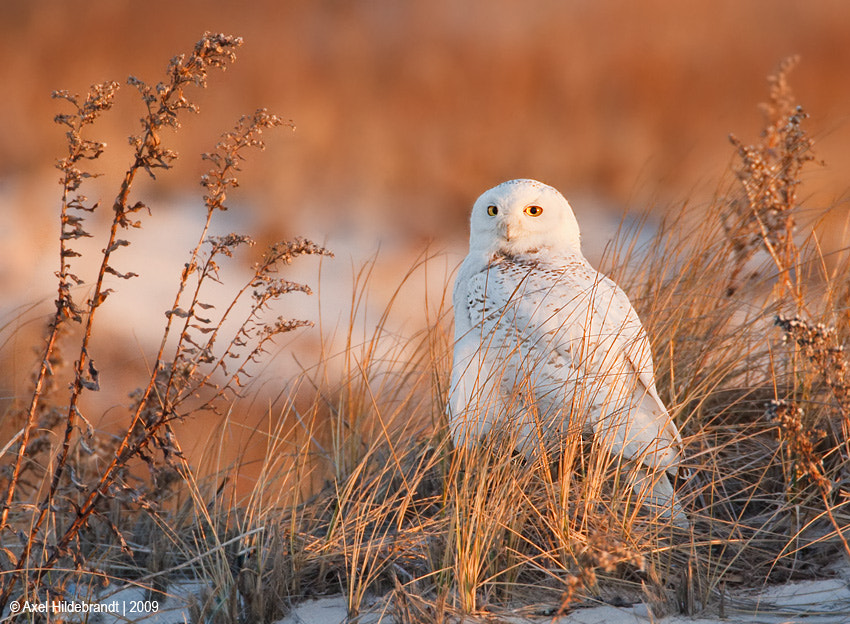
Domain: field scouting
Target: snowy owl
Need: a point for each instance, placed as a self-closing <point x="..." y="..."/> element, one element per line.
<point x="545" y="344"/>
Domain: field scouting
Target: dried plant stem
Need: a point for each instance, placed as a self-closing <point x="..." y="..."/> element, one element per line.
<point x="819" y="344"/>
<point x="163" y="105"/>
<point x="99" y="99"/>
<point x="26" y="431"/>
<point x="148" y="155"/>
<point x="839" y="530"/>
<point x="769" y="175"/>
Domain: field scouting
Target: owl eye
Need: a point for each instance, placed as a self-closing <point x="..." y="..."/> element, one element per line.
<point x="492" y="210"/>
<point x="533" y="211"/>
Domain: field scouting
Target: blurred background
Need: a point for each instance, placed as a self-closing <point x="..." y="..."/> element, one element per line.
<point x="405" y="112"/>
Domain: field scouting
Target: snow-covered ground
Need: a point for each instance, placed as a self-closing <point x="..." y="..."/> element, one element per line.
<point x="803" y="602"/>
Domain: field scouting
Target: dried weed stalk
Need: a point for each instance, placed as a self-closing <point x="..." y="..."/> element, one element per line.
<point x="769" y="174"/>
<point x="819" y="345"/>
<point x="72" y="216"/>
<point x="802" y="436"/>
<point x="61" y="512"/>
<point x="801" y="447"/>
<point x="799" y="441"/>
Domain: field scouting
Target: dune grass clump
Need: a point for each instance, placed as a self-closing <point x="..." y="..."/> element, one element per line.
<point x="496" y="532"/>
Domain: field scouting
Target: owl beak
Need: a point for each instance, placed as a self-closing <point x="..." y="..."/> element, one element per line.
<point x="506" y="231"/>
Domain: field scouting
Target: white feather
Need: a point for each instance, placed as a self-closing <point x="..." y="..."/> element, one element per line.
<point x="545" y="344"/>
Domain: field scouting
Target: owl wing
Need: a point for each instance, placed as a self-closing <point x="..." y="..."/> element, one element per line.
<point x="620" y="356"/>
<point x="572" y="332"/>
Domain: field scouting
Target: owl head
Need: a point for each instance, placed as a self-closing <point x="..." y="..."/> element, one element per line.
<point x="521" y="217"/>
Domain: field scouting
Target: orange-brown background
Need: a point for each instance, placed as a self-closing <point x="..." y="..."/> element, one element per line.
<point x="414" y="107"/>
<point x="407" y="110"/>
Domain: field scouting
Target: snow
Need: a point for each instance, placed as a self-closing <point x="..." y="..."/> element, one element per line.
<point x="816" y="602"/>
<point x="809" y="602"/>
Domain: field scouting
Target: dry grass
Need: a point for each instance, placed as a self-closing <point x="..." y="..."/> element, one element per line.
<point x="359" y="492"/>
<point x="70" y="488"/>
<point x="431" y="533"/>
